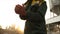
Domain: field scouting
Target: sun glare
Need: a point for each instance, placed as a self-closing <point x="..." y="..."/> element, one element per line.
<point x="20" y="26"/>
<point x="8" y="15"/>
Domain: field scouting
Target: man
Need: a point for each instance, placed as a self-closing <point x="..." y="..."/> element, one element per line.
<point x="33" y="12"/>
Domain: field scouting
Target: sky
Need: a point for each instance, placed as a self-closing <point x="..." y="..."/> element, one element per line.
<point x="8" y="15"/>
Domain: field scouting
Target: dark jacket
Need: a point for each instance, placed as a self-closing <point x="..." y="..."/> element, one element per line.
<point x="35" y="19"/>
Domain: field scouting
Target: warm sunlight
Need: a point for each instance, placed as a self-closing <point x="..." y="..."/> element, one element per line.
<point x="20" y="26"/>
<point x="8" y="15"/>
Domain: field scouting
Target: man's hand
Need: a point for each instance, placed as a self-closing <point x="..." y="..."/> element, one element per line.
<point x="20" y="10"/>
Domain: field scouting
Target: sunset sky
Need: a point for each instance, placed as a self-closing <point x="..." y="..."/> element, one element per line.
<point x="8" y="16"/>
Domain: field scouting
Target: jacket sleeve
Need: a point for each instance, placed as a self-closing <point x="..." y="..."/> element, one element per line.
<point x="23" y="17"/>
<point x="42" y="9"/>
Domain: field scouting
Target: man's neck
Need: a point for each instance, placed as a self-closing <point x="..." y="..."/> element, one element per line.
<point x="35" y="2"/>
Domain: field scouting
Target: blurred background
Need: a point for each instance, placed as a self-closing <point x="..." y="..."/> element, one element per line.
<point x="53" y="23"/>
<point x="10" y="23"/>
